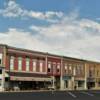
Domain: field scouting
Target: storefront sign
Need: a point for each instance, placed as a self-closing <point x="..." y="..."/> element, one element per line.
<point x="15" y="78"/>
<point x="66" y="77"/>
<point x="91" y="80"/>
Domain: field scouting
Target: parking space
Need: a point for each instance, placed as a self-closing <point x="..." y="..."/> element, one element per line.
<point x="52" y="95"/>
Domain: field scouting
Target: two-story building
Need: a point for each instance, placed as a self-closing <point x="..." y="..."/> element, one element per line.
<point x="92" y="75"/>
<point x="73" y="74"/>
<point x="24" y="69"/>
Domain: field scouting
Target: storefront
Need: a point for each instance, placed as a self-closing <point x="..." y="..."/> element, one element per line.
<point x="91" y="83"/>
<point x="29" y="83"/>
<point x="67" y="82"/>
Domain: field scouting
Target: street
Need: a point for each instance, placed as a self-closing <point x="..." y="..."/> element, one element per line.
<point x="51" y="95"/>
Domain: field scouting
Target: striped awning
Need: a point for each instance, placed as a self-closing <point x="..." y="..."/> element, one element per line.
<point x="15" y="78"/>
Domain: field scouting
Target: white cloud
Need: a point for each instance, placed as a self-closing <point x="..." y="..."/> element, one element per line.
<point x="12" y="9"/>
<point x="70" y="36"/>
<point x="20" y="38"/>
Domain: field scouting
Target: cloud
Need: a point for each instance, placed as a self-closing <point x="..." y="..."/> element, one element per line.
<point x="12" y="9"/>
<point x="72" y="36"/>
<point x="20" y="38"/>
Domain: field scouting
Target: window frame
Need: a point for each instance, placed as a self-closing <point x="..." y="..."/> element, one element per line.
<point x="12" y="62"/>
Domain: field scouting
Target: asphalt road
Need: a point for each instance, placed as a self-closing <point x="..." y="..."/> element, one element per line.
<point x="67" y="95"/>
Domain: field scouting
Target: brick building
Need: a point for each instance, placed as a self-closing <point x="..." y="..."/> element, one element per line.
<point x="26" y="69"/>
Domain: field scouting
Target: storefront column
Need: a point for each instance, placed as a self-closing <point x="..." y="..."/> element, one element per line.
<point x="73" y="83"/>
<point x="62" y="84"/>
<point x="96" y="85"/>
<point x="3" y="79"/>
<point x="85" y="83"/>
<point x="61" y="76"/>
<point x="53" y="82"/>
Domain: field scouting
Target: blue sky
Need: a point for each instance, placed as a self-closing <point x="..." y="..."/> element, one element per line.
<point x="65" y="27"/>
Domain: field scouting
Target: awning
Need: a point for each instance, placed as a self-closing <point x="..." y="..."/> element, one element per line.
<point x="15" y="78"/>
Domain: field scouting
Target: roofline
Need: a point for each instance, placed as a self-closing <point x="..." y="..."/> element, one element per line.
<point x="49" y="54"/>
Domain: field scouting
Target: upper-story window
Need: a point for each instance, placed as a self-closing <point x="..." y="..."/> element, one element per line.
<point x="27" y="64"/>
<point x="49" y="67"/>
<point x="34" y="65"/>
<point x="54" y="67"/>
<point x="91" y="71"/>
<point x="79" y="69"/>
<point x="70" y="68"/>
<point x="0" y="58"/>
<point x="19" y="63"/>
<point x="58" y="67"/>
<point x="41" y="66"/>
<point x="74" y="70"/>
<point x="66" y="68"/>
<point x="11" y="63"/>
<point x="97" y="73"/>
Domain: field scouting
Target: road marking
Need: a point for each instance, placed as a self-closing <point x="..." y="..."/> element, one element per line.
<point x="87" y="93"/>
<point x="74" y="96"/>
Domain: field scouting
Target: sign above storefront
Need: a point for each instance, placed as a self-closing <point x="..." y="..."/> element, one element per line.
<point x="66" y="77"/>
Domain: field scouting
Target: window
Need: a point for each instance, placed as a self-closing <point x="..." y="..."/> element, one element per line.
<point x="34" y="65"/>
<point x="19" y="63"/>
<point x="11" y="63"/>
<point x="0" y="71"/>
<point x="0" y="58"/>
<point x="49" y="67"/>
<point x="74" y="70"/>
<point x="79" y="69"/>
<point x="91" y="71"/>
<point x="27" y="64"/>
<point x="54" y="67"/>
<point x="58" y="67"/>
<point x="97" y="73"/>
<point x="70" y="67"/>
<point x="0" y="61"/>
<point x="41" y="66"/>
<point x="66" y="69"/>
<point x="0" y="82"/>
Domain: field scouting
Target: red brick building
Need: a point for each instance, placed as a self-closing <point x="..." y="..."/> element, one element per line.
<point x="26" y="69"/>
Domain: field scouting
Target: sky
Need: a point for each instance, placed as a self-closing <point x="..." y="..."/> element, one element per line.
<point x="64" y="27"/>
